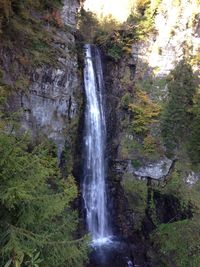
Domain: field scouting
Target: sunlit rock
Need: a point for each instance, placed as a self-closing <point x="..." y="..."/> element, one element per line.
<point x="192" y="178"/>
<point x="156" y="170"/>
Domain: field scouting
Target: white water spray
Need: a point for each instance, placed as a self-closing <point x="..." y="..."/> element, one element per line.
<point x="94" y="188"/>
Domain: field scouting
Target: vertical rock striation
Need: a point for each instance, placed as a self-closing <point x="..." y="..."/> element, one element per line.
<point x="50" y="102"/>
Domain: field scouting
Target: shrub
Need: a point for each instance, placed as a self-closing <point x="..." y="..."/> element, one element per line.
<point x="144" y="111"/>
<point x="149" y="144"/>
<point x="178" y="243"/>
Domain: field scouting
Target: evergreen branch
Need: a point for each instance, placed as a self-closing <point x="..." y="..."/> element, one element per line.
<point x="42" y="239"/>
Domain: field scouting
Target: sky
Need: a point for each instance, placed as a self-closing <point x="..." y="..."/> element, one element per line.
<point x="118" y="8"/>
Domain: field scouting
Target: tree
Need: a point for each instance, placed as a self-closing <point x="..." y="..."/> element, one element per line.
<point x="177" y="112"/>
<point x="37" y="223"/>
<point x="145" y="112"/>
<point x="194" y="139"/>
<point x="87" y="25"/>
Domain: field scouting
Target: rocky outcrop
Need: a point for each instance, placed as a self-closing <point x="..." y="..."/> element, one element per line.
<point x="192" y="178"/>
<point x="69" y="12"/>
<point x="52" y="99"/>
<point x="156" y="170"/>
<point x="50" y="103"/>
<point x="177" y="33"/>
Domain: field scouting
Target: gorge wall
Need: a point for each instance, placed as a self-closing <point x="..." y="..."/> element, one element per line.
<point x="147" y="187"/>
<point x="50" y="100"/>
<point x="141" y="173"/>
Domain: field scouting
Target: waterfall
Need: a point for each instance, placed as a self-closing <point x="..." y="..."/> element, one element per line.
<point x="108" y="249"/>
<point x="94" y="187"/>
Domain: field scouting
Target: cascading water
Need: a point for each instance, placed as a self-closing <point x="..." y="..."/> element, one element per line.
<point x="108" y="252"/>
<point x="94" y="188"/>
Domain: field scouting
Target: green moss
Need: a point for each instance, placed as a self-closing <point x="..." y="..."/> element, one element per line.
<point x="136" y="192"/>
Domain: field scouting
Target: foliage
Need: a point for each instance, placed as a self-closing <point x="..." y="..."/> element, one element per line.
<point x="195" y="60"/>
<point x="130" y="147"/>
<point x="150" y="144"/>
<point x="20" y="27"/>
<point x="34" y="260"/>
<point x="113" y="37"/>
<point x="126" y="100"/>
<point x="176" y="2"/>
<point x="136" y="192"/>
<point x="136" y="163"/>
<point x="144" y="111"/>
<point x="178" y="243"/>
<point x="176" y="185"/>
<point x="194" y="139"/>
<point x="177" y="112"/>
<point x="37" y="223"/>
<point x="115" y="51"/>
<point x="142" y="16"/>
<point x="87" y="25"/>
<point x="12" y="9"/>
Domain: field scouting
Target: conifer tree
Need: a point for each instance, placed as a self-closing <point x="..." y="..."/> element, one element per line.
<point x="36" y="220"/>
<point x="194" y="139"/>
<point x="177" y="112"/>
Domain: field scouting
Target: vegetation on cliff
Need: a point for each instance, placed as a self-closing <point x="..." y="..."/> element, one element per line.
<point x="160" y="117"/>
<point x="174" y="239"/>
<point x="114" y="37"/>
<point x="38" y="224"/>
<point x="27" y="35"/>
<point x="177" y="112"/>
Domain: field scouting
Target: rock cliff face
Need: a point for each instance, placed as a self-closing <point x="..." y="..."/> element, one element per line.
<point x="51" y="101"/>
<point x="137" y="206"/>
<point x="177" y="33"/>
